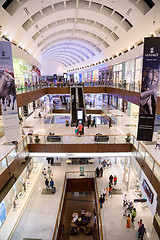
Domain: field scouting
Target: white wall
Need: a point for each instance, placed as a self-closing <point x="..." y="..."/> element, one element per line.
<point x="19" y="53"/>
<point x="52" y="67"/>
<point x="152" y="206"/>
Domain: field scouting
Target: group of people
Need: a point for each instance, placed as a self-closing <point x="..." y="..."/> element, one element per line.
<point x="48" y="176"/>
<point x="99" y="172"/>
<point x="91" y="122"/>
<point x="79" y="129"/>
<point x="131" y="217"/>
<point x="105" y="163"/>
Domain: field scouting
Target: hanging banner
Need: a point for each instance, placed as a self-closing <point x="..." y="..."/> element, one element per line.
<point x="149" y="88"/>
<point x="8" y="94"/>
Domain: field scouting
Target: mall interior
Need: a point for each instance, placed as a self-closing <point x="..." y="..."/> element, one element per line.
<point x="77" y="73"/>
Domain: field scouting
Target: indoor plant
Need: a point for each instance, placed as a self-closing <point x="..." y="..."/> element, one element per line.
<point x="37" y="139"/>
<point x="128" y="138"/>
<point x="67" y="122"/>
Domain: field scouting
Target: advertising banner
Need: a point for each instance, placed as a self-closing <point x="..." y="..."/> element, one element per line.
<point x="149" y="88"/>
<point x="8" y="94"/>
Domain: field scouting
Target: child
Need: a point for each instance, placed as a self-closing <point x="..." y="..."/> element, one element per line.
<point x="76" y="132"/>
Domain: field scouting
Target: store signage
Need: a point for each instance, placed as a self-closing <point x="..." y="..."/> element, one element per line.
<point x="3" y="213"/>
<point x="148" y="191"/>
<point x="8" y="94"/>
<point x="149" y="88"/>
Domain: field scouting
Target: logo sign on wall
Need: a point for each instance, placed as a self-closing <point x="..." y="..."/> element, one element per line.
<point x="149" y="88"/>
<point x="8" y="94"/>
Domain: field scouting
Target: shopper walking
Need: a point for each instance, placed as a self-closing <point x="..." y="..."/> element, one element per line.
<point x="101" y="201"/>
<point x="141" y="231"/>
<point x="111" y="179"/>
<point x="51" y="183"/>
<point x="134" y="214"/>
<point x="158" y="143"/>
<point x="110" y="190"/>
<point x="99" y="160"/>
<point x="80" y="127"/>
<point x="97" y="172"/>
<point x="101" y="172"/>
<point x="128" y="223"/>
<point x="110" y="123"/>
<point x="115" y="180"/>
<point x="104" y="193"/>
<point x="49" y="171"/>
<point x="47" y="183"/>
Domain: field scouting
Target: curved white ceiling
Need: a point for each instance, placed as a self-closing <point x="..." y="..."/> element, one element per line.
<point x="77" y="33"/>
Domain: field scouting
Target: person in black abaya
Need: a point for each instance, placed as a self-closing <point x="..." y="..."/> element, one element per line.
<point x="97" y="172"/>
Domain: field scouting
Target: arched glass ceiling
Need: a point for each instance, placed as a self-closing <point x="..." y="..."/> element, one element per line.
<point x="73" y="51"/>
<point x="65" y="45"/>
<point x="94" y="27"/>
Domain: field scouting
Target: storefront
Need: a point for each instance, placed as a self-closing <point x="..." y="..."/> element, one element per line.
<point x="129" y="73"/>
<point x="132" y="110"/>
<point x="22" y="72"/>
<point x="117" y="75"/>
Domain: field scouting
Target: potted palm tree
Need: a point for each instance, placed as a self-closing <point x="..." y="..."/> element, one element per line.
<point x="37" y="139"/>
<point x="128" y="137"/>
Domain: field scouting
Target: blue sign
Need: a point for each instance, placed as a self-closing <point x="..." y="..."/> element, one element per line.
<point x="80" y="77"/>
<point x="3" y="213"/>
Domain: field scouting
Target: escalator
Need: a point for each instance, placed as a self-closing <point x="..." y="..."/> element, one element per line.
<point x="73" y="109"/>
<point x="81" y="101"/>
<point x="77" y="102"/>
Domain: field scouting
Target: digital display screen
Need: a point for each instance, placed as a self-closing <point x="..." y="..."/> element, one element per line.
<point x="79" y="114"/>
<point x="3" y="213"/>
<point x="65" y="75"/>
<point x="148" y="191"/>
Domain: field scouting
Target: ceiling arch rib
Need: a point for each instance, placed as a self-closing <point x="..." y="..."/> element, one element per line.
<point x="81" y="21"/>
<point x="62" y="60"/>
<point x="57" y="60"/>
<point x="79" y="31"/>
<point x="67" y="49"/>
<point x="88" y="5"/>
<point x="65" y="59"/>
<point x="78" y="46"/>
<point x="89" y="43"/>
<point x="65" y="56"/>
<point x="71" y="53"/>
<point x="13" y="6"/>
<point x="67" y="53"/>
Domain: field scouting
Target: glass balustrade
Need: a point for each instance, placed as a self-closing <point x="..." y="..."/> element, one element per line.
<point x="72" y="139"/>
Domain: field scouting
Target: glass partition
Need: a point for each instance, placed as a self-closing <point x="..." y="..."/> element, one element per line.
<point x="157" y="171"/>
<point x="149" y="160"/>
<point x="11" y="156"/>
<point x="136" y="144"/>
<point x="142" y="150"/>
<point x="20" y="147"/>
<point x="3" y="165"/>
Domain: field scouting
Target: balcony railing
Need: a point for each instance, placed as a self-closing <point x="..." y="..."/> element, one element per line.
<point x="87" y="139"/>
<point x="75" y="175"/>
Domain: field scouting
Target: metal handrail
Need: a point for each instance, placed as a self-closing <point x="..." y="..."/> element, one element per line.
<point x="109" y="135"/>
<point x="59" y="209"/>
<point x="100" y="219"/>
<point x="63" y="192"/>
